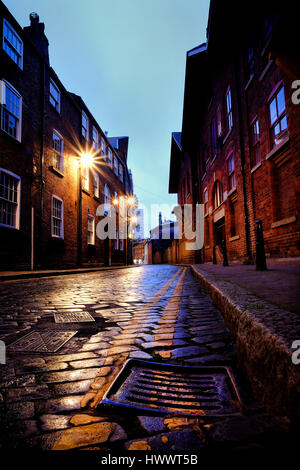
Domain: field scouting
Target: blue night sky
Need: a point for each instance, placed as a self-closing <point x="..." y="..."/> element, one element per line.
<point x="126" y="58"/>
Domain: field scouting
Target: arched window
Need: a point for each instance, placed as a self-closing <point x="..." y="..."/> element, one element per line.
<point x="218" y="194"/>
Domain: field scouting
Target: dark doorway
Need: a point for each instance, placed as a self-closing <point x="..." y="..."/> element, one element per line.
<point x="220" y="231"/>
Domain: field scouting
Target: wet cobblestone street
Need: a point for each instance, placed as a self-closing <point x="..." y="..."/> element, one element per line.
<point x="52" y="399"/>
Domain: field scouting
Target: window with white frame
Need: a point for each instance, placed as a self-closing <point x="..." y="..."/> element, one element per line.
<point x="103" y="148"/>
<point x="91" y="230"/>
<point x="278" y="121"/>
<point x="58" y="151"/>
<point x="106" y="199"/>
<point x="11" y="111"/>
<point x="9" y="199"/>
<point x="231" y="171"/>
<point x="84" y="126"/>
<point x="85" y="177"/>
<point x="116" y="169"/>
<point x="95" y="138"/>
<point x="255" y="140"/>
<point x="54" y="95"/>
<point x="121" y="173"/>
<point x="228" y="104"/>
<point x="110" y="157"/>
<point x="57" y="217"/>
<point x="96" y="185"/>
<point x="12" y="44"/>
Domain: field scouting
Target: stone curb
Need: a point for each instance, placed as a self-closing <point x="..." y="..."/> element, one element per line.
<point x="264" y="335"/>
<point x="63" y="272"/>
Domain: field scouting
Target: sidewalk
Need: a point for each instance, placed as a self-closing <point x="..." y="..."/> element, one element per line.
<point x="279" y="285"/>
<point x="13" y="275"/>
<point x="261" y="310"/>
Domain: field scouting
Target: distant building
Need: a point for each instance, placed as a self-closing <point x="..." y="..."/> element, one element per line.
<point x="239" y="149"/>
<point x="44" y="131"/>
<point x="139" y="232"/>
<point x="161" y="246"/>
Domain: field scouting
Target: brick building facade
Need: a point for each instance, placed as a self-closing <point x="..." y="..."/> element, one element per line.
<point x="47" y="210"/>
<point x="239" y="151"/>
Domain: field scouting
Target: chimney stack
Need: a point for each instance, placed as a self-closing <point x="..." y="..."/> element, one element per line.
<point x="37" y="35"/>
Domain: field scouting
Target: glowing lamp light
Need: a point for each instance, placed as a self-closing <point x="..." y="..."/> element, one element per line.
<point x="86" y="159"/>
<point x="131" y="201"/>
<point x="133" y="219"/>
<point x="115" y="202"/>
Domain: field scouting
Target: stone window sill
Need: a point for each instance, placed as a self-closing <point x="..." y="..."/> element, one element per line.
<point x="280" y="223"/>
<point x="56" y="171"/>
<point x="255" y="167"/>
<point x="249" y="81"/>
<point x="233" y="190"/>
<point x="265" y="70"/>
<point x="227" y="136"/>
<point x="278" y="147"/>
<point x="233" y="239"/>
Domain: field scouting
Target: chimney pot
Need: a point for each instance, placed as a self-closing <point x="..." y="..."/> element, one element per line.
<point x="34" y="18"/>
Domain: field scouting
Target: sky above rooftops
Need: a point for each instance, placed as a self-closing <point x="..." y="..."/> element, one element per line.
<point x="126" y="59"/>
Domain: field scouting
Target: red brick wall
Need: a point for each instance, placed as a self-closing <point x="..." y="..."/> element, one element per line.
<point x="24" y="159"/>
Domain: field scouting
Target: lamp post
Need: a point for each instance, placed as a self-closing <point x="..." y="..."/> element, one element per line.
<point x="85" y="160"/>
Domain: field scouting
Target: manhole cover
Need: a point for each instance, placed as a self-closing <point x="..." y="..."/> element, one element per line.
<point x="168" y="388"/>
<point x="73" y="317"/>
<point x="44" y="341"/>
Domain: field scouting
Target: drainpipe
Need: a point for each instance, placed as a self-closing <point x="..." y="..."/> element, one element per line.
<point x="242" y="152"/>
<point x="42" y="181"/>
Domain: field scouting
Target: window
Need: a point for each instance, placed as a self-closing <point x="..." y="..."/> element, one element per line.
<point x="229" y="119"/>
<point x="213" y="138"/>
<point x="230" y="169"/>
<point x="9" y="199"/>
<point x="218" y="194"/>
<point x="57" y="217"/>
<point x="95" y="138"/>
<point x="91" y="230"/>
<point x="278" y="119"/>
<point x="58" y="150"/>
<point x="121" y="173"/>
<point x="121" y="244"/>
<point x="84" y="126"/>
<point x="205" y="200"/>
<point x="11" y="111"/>
<point x="116" y="166"/>
<point x="255" y="136"/>
<point x="12" y="44"/>
<point x="96" y="185"/>
<point x="54" y="96"/>
<point x="85" y="177"/>
<point x="106" y="199"/>
<point x="103" y="148"/>
<point x="110" y="159"/>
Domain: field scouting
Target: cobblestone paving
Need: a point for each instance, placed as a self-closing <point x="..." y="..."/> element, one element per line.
<point x="52" y="400"/>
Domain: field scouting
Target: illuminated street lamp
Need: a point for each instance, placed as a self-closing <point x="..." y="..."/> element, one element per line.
<point x="85" y="160"/>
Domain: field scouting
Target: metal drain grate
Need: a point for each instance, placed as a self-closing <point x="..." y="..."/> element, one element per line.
<point x="168" y="388"/>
